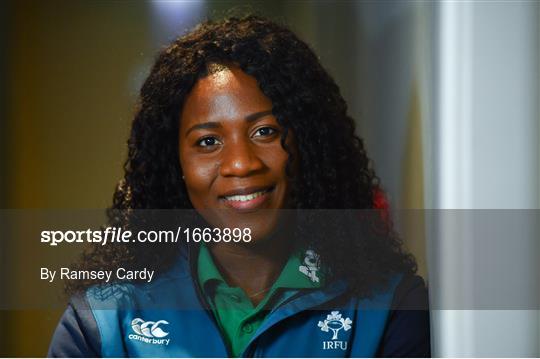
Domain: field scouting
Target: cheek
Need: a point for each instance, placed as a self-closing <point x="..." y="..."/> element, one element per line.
<point x="277" y="160"/>
<point x="282" y="158"/>
<point x="198" y="178"/>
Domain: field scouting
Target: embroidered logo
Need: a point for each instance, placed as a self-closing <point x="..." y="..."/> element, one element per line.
<point x="335" y="322"/>
<point x="310" y="266"/>
<point x="149" y="331"/>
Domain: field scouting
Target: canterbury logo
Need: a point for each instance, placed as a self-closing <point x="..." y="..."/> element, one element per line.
<point x="149" y="329"/>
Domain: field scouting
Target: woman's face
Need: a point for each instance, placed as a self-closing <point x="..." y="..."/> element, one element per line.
<point x="230" y="153"/>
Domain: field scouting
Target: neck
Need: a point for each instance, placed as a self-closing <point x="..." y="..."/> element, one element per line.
<point x="254" y="267"/>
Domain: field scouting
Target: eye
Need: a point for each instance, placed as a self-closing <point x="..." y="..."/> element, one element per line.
<point x="208" y="142"/>
<point x="265" y="132"/>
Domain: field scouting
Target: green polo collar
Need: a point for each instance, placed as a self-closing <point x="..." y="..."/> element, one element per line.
<point x="300" y="271"/>
<point x="236" y="316"/>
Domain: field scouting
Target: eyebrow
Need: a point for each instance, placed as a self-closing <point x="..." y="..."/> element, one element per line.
<point x="255" y="116"/>
<point x="208" y="125"/>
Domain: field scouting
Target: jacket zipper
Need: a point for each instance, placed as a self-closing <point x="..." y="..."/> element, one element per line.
<point x="202" y="298"/>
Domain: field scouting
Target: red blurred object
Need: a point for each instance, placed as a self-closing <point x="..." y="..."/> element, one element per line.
<point x="381" y="203"/>
<point x="379" y="200"/>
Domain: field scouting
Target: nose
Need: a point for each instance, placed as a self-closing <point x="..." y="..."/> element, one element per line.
<point x="239" y="159"/>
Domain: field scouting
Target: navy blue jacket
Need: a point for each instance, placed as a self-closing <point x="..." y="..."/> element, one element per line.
<point x="168" y="318"/>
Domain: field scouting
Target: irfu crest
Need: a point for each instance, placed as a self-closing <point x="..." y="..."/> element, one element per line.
<point x="335" y="322"/>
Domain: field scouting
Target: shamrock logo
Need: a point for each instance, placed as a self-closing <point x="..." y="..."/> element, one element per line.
<point x="310" y="267"/>
<point x="335" y="322"/>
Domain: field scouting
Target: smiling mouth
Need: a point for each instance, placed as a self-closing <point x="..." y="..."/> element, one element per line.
<point x="247" y="199"/>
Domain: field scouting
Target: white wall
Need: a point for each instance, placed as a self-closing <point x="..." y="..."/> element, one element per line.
<point x="485" y="132"/>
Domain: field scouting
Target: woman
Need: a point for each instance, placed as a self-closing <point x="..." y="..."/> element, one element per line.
<point x="239" y="121"/>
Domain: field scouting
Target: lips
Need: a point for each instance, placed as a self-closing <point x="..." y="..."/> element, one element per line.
<point x="248" y="198"/>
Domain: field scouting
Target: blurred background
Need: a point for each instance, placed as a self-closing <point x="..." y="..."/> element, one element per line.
<point x="446" y="95"/>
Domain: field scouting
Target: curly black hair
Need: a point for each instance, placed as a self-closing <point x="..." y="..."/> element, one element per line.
<point x="334" y="171"/>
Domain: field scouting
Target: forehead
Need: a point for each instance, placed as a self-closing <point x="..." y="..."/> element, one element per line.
<point x="226" y="93"/>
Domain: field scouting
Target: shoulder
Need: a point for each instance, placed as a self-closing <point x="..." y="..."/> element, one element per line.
<point x="90" y="319"/>
<point x="93" y="316"/>
<point x="411" y="294"/>
<point x="407" y="331"/>
<point x="76" y="334"/>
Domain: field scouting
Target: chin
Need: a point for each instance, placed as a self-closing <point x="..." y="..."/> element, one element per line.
<point x="262" y="233"/>
<point x="262" y="223"/>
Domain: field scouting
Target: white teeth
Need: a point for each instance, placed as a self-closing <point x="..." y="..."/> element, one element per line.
<point x="244" y="198"/>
